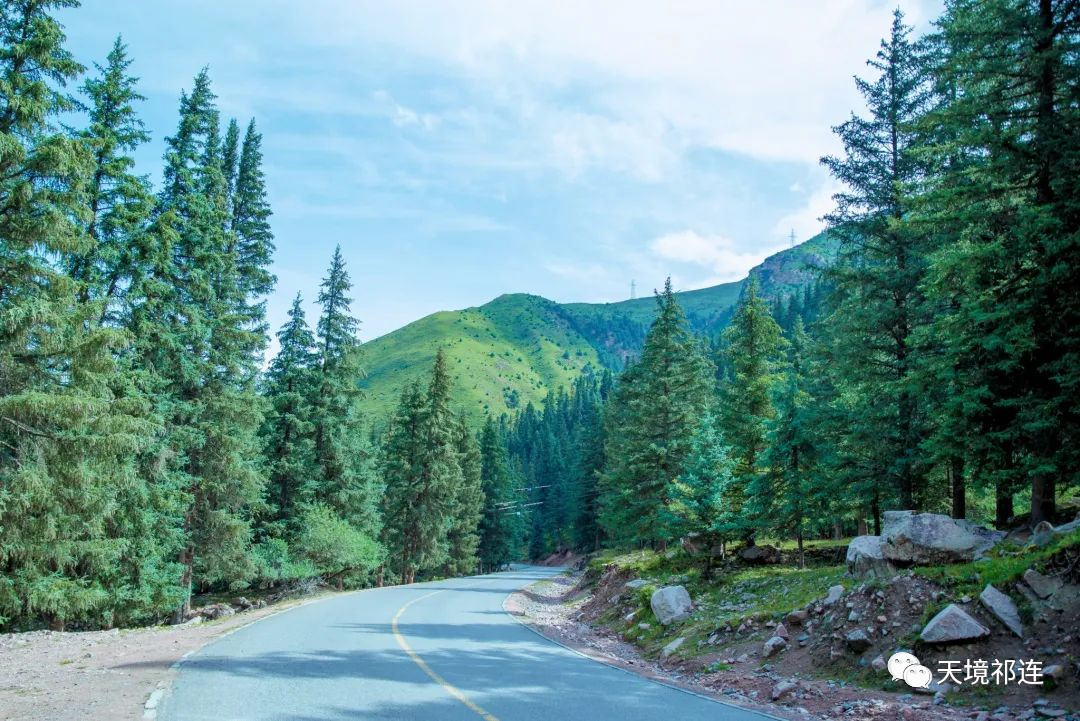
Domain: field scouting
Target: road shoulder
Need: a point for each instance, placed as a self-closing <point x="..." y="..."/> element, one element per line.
<point x="61" y="676"/>
<point x="553" y="607"/>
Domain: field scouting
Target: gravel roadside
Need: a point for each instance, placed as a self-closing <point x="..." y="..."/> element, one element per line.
<point x="102" y="675"/>
<point x="552" y="607"/>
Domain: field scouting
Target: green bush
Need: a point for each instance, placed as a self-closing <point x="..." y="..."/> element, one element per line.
<point x="335" y="547"/>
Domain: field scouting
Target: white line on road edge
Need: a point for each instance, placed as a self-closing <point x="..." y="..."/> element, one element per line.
<point x="150" y="708"/>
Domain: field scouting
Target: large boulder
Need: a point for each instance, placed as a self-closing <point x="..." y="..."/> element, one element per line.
<point x="671" y="604"/>
<point x="1002" y="608"/>
<point x="931" y="538"/>
<point x="865" y="558"/>
<point x="760" y="554"/>
<point x="953" y="625"/>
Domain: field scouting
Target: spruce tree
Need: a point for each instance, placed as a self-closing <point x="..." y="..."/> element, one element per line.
<point x="288" y="431"/>
<point x="401" y="458"/>
<point x="210" y="339"/>
<point x="1007" y="149"/>
<point x="120" y="202"/>
<point x="783" y="497"/>
<point x="346" y="478"/>
<point x="590" y="461"/>
<point x="500" y="525"/>
<point x="463" y="536"/>
<point x="693" y="503"/>
<point x="753" y="344"/>
<point x="879" y="301"/>
<point x="230" y="158"/>
<point x="69" y="432"/>
<point x="422" y="473"/>
<point x="650" y="422"/>
<point x="250" y="218"/>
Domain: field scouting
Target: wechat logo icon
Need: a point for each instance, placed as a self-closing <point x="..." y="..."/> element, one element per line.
<point x="903" y="666"/>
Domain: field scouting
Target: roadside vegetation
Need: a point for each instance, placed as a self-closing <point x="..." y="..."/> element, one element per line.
<point x="149" y="453"/>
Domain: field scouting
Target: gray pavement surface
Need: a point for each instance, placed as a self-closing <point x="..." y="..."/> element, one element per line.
<point x="439" y="651"/>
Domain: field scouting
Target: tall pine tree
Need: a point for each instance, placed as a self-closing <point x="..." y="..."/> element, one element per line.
<point x="650" y="423"/>
<point x="753" y="343"/>
<point x="879" y="303"/>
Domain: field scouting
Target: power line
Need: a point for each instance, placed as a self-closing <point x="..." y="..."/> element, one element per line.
<point x="523" y="505"/>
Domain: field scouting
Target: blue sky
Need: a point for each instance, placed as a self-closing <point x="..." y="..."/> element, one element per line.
<point x="462" y="150"/>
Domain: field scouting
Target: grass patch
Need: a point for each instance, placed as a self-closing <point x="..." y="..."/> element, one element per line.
<point x="1004" y="565"/>
<point x="732" y="595"/>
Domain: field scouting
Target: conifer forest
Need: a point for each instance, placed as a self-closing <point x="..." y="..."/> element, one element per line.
<point x="154" y="450"/>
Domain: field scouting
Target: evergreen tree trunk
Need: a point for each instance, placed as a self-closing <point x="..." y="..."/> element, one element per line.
<point x="958" y="487"/>
<point x="1043" y="503"/>
<point x="875" y="510"/>
<point x="1003" y="505"/>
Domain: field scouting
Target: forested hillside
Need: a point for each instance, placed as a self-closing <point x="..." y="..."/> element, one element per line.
<point x="518" y="348"/>
<point x="922" y="354"/>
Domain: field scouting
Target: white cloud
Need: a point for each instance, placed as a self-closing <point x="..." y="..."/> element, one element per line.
<point x="806" y="221"/>
<point x="716" y="255"/>
<point x="403" y="116"/>
<point x="767" y="79"/>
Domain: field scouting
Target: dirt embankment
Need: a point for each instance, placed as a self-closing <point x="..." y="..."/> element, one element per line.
<point x="817" y="675"/>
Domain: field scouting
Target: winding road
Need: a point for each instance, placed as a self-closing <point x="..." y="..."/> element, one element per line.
<point x="439" y="651"/>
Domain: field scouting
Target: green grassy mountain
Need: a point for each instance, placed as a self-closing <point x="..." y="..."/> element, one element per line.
<point x="518" y="347"/>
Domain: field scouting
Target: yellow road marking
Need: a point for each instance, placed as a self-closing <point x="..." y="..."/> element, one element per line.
<point x="447" y="686"/>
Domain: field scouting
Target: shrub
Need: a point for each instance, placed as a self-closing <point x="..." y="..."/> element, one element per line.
<point x="334" y="546"/>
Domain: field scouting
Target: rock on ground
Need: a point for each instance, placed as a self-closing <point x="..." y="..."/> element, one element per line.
<point x="932" y="538"/>
<point x="782" y="689"/>
<point x="866" y="560"/>
<point x="1002" y="608"/>
<point x="796" y="618"/>
<point x="834" y="594"/>
<point x="672" y="647"/>
<point x="760" y="554"/>
<point x="671" y="604"/>
<point x="858" y="641"/>
<point x="951" y="625"/>
<point x="1043" y="586"/>
<point x="773" y="646"/>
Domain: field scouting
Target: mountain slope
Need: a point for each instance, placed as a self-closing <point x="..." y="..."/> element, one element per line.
<point x="517" y="348"/>
<point x="502" y="355"/>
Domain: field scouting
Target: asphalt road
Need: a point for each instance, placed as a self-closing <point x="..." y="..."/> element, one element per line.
<point x="440" y="651"/>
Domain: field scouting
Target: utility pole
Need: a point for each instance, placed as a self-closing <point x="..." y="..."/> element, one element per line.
<point x="791" y="237"/>
<point x="633" y="289"/>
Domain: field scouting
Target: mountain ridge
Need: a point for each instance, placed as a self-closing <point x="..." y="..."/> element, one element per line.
<point x="517" y="347"/>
